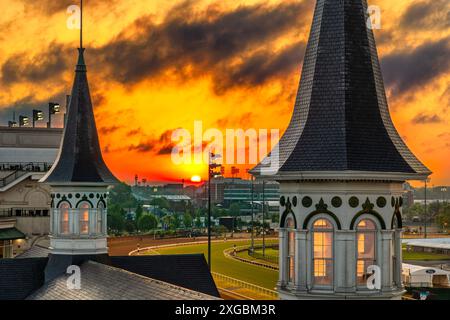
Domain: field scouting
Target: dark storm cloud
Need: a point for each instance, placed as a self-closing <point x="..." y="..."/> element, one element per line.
<point x="260" y="67"/>
<point x="231" y="46"/>
<point x="47" y="66"/>
<point x="161" y="146"/>
<point x="207" y="42"/>
<point x="108" y="130"/>
<point x="427" y="15"/>
<point x="51" y="7"/>
<point x="422" y="118"/>
<point x="407" y="70"/>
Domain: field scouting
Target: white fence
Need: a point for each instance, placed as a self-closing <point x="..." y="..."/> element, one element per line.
<point x="242" y="284"/>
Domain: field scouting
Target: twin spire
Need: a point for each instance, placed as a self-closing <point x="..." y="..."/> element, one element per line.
<point x="80" y="158"/>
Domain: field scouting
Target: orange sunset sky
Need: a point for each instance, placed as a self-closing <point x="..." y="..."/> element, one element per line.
<point x="158" y="65"/>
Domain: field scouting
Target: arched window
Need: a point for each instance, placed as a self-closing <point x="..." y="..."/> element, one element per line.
<point x="100" y="211"/>
<point x="290" y="226"/>
<point x="64" y="209"/>
<point x="323" y="253"/>
<point x="366" y="244"/>
<point x="84" y="209"/>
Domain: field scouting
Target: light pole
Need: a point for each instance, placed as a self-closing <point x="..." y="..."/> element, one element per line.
<point x="38" y="115"/>
<point x="211" y="173"/>
<point x="426" y="214"/>
<point x="253" y="221"/>
<point x="264" y="218"/>
<point x="53" y="108"/>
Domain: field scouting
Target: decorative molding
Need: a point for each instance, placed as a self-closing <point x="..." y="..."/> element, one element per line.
<point x="353" y="202"/>
<point x="307" y="202"/>
<point x="294" y="201"/>
<point x="322" y="206"/>
<point x="381" y="202"/>
<point x="282" y="201"/>
<point x="368" y="206"/>
<point x="336" y="202"/>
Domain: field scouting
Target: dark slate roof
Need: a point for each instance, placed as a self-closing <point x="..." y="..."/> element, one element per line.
<point x="341" y="120"/>
<point x="20" y="277"/>
<point x="80" y="159"/>
<point x="35" y="251"/>
<point x="11" y="234"/>
<point x="58" y="263"/>
<point x="102" y="282"/>
<point x="188" y="271"/>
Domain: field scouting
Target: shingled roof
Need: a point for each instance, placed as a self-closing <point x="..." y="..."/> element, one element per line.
<point x="102" y="282"/>
<point x="188" y="271"/>
<point x="341" y="121"/>
<point x="80" y="159"/>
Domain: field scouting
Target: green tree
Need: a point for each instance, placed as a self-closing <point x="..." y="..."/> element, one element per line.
<point x="235" y="209"/>
<point x="122" y="195"/>
<point x="130" y="226"/>
<point x="147" y="222"/>
<point x="116" y="222"/>
<point x="139" y="211"/>
<point x="161" y="203"/>
<point x="198" y="222"/>
<point x="187" y="220"/>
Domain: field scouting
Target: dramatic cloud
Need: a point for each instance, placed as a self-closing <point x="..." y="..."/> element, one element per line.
<point x="51" y="7"/>
<point x="230" y="45"/>
<point x="108" y="130"/>
<point x="426" y="119"/>
<point x="208" y="42"/>
<point x="427" y="15"/>
<point x="410" y="69"/>
<point x="261" y="67"/>
<point x="46" y="66"/>
<point x="160" y="146"/>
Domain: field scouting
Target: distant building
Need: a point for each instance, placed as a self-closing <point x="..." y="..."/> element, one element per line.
<point x="26" y="154"/>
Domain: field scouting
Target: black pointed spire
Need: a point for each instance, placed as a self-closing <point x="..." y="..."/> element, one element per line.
<point x="341" y="120"/>
<point x="80" y="159"/>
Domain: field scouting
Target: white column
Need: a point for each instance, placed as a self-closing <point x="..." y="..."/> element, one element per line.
<point x="283" y="246"/>
<point x="345" y="261"/>
<point x="386" y="260"/>
<point x="105" y="221"/>
<point x="301" y="266"/>
<point x="399" y="257"/>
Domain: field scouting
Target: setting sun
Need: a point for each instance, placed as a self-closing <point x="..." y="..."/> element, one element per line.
<point x="196" y="179"/>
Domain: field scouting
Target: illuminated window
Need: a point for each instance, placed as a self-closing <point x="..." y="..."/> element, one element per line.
<point x="84" y="217"/>
<point x="323" y="252"/>
<point x="64" y="218"/>
<point x="290" y="225"/>
<point x="100" y="210"/>
<point x="366" y="242"/>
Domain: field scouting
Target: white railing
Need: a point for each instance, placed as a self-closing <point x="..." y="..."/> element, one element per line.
<point x="242" y="284"/>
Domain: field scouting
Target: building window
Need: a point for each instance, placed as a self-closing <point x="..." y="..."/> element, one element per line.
<point x="100" y="211"/>
<point x="323" y="253"/>
<point x="366" y="242"/>
<point x="84" y="217"/>
<point x="290" y="226"/>
<point x="64" y="209"/>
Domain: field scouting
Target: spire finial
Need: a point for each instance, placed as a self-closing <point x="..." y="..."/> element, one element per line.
<point x="81" y="24"/>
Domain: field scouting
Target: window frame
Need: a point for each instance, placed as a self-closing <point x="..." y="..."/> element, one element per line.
<point x="62" y="223"/>
<point x="81" y="222"/>
<point x="289" y="226"/>
<point x="331" y="229"/>
<point x="362" y="285"/>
